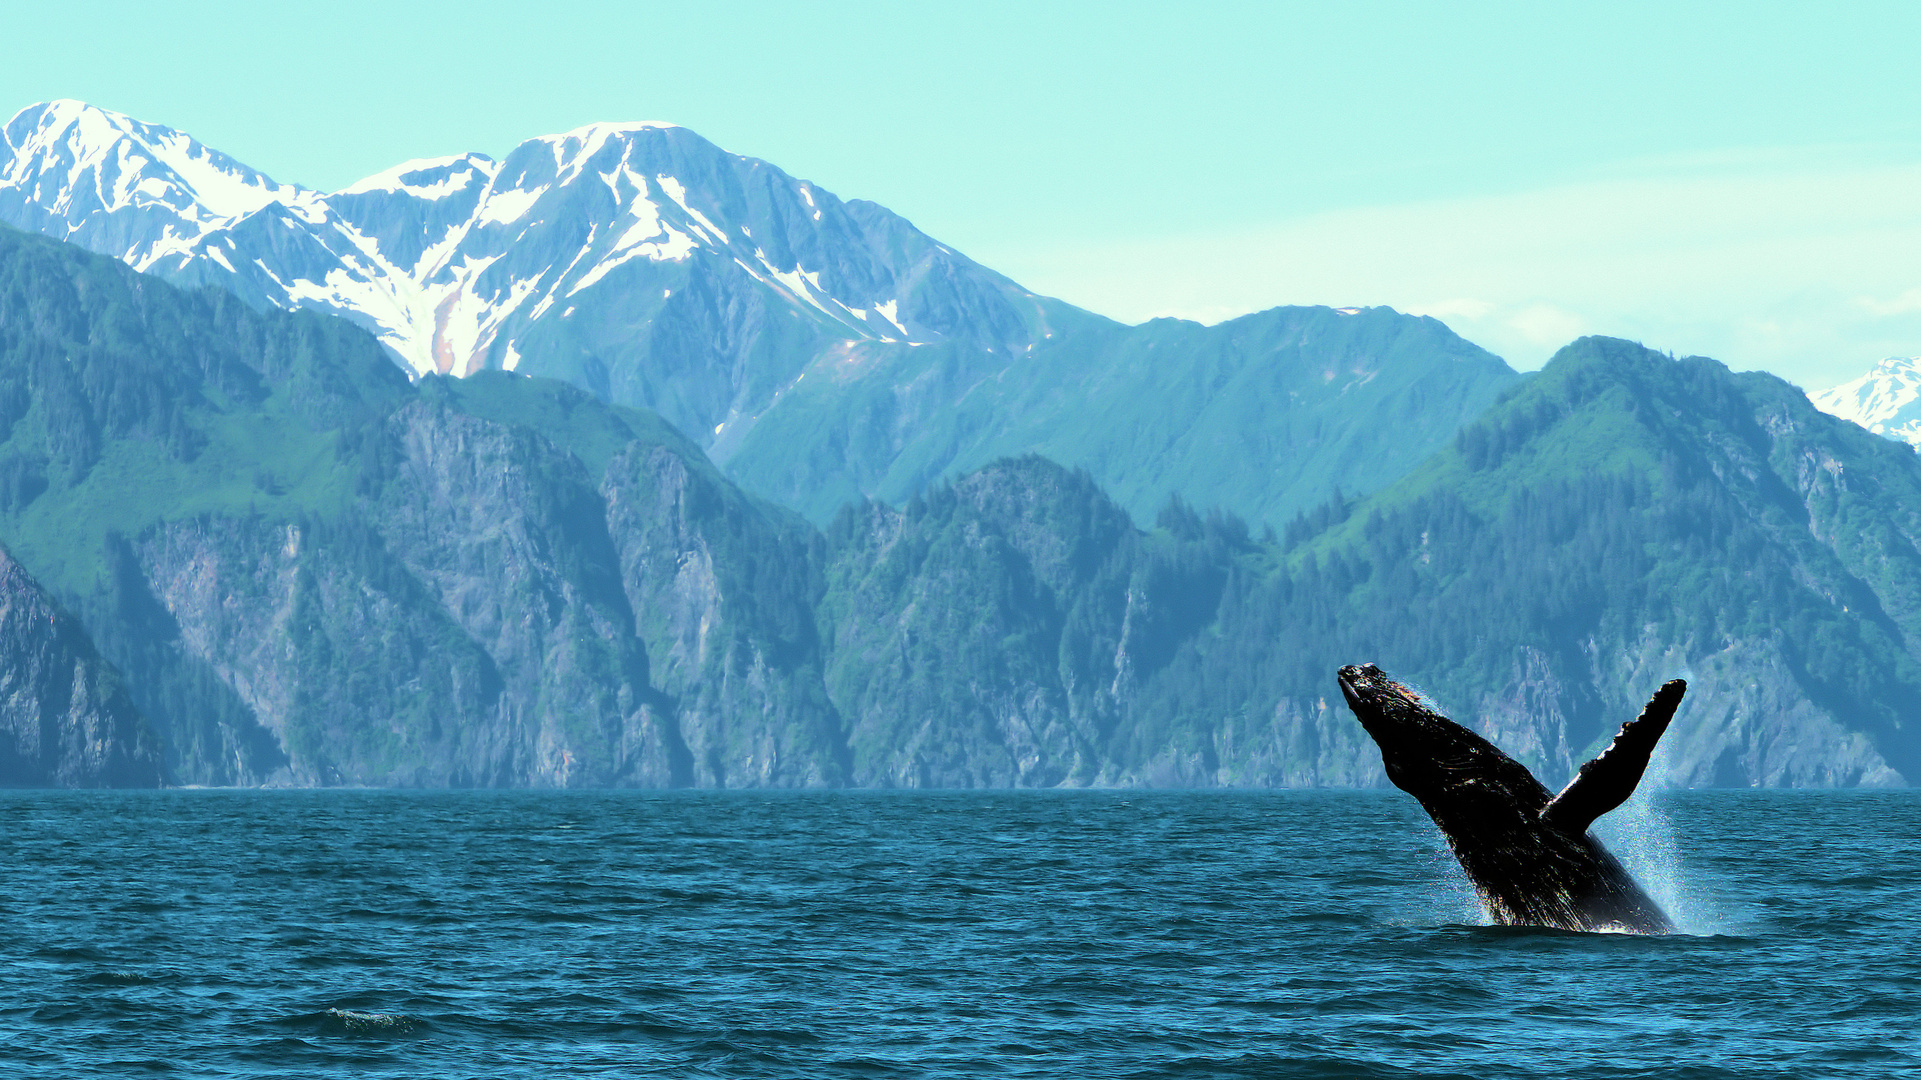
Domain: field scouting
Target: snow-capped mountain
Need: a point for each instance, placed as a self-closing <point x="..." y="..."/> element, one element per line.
<point x="636" y="259"/>
<point x="820" y="351"/>
<point x="1886" y="400"/>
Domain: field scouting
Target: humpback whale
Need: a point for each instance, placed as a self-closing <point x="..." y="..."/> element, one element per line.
<point x="1527" y="853"/>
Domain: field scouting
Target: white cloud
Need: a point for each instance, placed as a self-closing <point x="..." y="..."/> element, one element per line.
<point x="1903" y="304"/>
<point x="1547" y="326"/>
<point x="1813" y="274"/>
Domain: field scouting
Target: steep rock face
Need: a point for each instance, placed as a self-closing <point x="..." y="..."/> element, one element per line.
<point x="508" y="537"/>
<point x="65" y="719"/>
<point x="339" y="674"/>
<point x="465" y="625"/>
<point x="725" y="592"/>
<point x="1750" y="720"/>
<point x="1757" y="726"/>
<point x="315" y="573"/>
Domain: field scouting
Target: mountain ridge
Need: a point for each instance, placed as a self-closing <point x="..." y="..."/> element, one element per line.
<point x="818" y="349"/>
<point x="1660" y="515"/>
<point x="315" y="572"/>
<point x="128" y="167"/>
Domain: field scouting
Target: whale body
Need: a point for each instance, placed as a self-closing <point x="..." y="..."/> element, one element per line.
<point x="1527" y="853"/>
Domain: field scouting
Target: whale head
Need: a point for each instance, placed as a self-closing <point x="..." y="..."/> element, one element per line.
<point x="1451" y="770"/>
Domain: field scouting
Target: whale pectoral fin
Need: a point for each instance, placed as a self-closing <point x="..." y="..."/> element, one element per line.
<point x="1608" y="780"/>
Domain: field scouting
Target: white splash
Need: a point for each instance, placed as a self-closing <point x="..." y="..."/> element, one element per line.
<point x="1640" y="835"/>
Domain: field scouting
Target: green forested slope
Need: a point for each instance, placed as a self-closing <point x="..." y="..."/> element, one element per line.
<point x="312" y="572"/>
<point x="1625" y="517"/>
<point x="1262" y="415"/>
<point x="1620" y="519"/>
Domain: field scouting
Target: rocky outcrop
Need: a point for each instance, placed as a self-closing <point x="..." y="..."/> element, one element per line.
<point x="1753" y="724"/>
<point x="65" y="718"/>
<point x="509" y="539"/>
<point x="724" y="590"/>
<point x="974" y="633"/>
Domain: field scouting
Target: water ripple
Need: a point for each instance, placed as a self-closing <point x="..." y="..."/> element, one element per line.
<point x="283" y="934"/>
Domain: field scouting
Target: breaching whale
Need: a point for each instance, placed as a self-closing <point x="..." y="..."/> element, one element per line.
<point x="1528" y="855"/>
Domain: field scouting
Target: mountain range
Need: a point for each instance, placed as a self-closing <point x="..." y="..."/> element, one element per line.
<point x="818" y="350"/>
<point x="257" y="535"/>
<point x="306" y="568"/>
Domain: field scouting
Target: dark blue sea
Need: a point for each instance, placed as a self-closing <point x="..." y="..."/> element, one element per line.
<point x="1105" y="934"/>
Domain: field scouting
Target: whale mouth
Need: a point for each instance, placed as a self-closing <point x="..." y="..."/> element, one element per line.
<point x="1348" y="677"/>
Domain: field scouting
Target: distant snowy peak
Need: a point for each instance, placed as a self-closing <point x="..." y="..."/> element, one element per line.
<point x="452" y="261"/>
<point x="103" y="177"/>
<point x="77" y="146"/>
<point x="1886" y="400"/>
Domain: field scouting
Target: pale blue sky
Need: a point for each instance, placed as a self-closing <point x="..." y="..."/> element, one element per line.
<point x="1740" y="180"/>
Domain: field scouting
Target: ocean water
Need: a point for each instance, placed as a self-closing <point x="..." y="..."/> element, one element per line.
<point x="1104" y="934"/>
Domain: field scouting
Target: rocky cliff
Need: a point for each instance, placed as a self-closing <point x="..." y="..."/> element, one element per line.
<point x="65" y="717"/>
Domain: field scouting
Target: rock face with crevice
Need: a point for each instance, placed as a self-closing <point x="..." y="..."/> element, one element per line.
<point x="65" y="717"/>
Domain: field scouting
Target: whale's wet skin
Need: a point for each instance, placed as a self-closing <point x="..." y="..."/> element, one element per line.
<point x="1528" y="854"/>
<point x="959" y="934"/>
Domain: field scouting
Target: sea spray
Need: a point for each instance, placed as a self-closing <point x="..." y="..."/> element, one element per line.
<point x="1437" y="892"/>
<point x="1641" y="835"/>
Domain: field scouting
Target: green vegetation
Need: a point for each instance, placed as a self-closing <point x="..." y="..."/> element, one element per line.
<point x="1619" y="519"/>
<point x="312" y="572"/>
<point x="1262" y="415"/>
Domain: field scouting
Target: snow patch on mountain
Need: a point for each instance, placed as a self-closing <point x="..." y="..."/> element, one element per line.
<point x="1886" y="400"/>
<point x="428" y="178"/>
<point x="505" y="207"/>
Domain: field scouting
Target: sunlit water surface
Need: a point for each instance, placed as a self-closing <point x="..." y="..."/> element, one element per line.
<point x="897" y="935"/>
